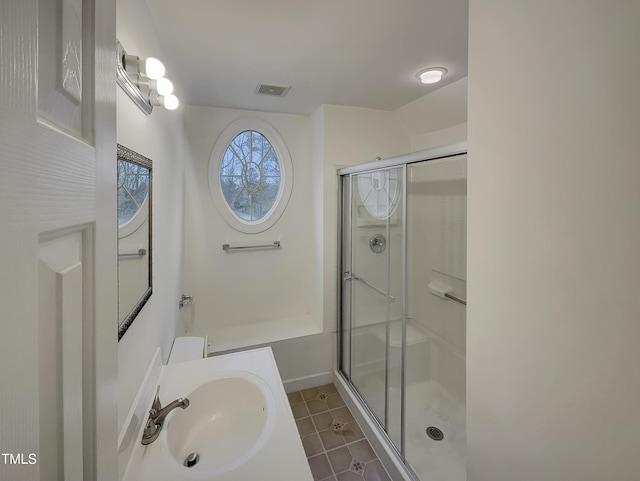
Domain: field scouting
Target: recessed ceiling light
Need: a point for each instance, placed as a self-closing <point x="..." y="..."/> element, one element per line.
<point x="431" y="75"/>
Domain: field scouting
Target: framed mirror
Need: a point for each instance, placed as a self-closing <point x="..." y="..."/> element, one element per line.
<point x="134" y="235"/>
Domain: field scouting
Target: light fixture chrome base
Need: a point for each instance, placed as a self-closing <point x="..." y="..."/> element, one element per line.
<point x="130" y="88"/>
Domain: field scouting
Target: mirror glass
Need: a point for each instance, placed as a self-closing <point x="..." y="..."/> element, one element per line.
<point x="134" y="235"/>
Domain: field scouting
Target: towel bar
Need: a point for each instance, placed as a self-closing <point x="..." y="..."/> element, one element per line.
<point x="455" y="298"/>
<point x="227" y="247"/>
<point x="140" y="253"/>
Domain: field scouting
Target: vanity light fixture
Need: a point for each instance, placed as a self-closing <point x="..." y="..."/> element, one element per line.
<point x="144" y="82"/>
<point x="431" y="75"/>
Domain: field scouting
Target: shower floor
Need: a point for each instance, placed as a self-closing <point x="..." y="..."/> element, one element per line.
<point x="428" y="404"/>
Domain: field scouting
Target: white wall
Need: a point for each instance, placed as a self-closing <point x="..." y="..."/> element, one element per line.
<point x="438" y="118"/>
<point x="554" y="228"/>
<point x="303" y="272"/>
<point x="439" y="138"/>
<point x="299" y="318"/>
<point x="251" y="297"/>
<point x="354" y="135"/>
<point x="159" y="137"/>
<point x="350" y="136"/>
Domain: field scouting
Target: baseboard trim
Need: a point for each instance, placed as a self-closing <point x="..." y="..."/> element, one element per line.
<point x="306" y="382"/>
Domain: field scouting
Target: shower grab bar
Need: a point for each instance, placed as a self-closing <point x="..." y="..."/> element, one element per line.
<point x="368" y="284"/>
<point x="455" y="298"/>
<point x="140" y="253"/>
<point x="227" y="247"/>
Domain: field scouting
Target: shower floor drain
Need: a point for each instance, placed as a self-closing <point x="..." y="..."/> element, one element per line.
<point x="434" y="433"/>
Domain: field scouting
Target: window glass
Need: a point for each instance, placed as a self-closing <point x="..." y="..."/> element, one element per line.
<point x="133" y="188"/>
<point x="250" y="176"/>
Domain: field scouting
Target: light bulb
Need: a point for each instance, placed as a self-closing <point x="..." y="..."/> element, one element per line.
<point x="431" y="75"/>
<point x="171" y="102"/>
<point x="164" y="86"/>
<point x="152" y="68"/>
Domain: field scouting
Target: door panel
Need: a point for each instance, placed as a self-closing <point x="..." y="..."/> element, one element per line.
<point x="62" y="81"/>
<point x="61" y="272"/>
<point x="375" y="291"/>
<point x="55" y="190"/>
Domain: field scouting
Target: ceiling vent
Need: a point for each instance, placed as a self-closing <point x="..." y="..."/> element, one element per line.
<point x="275" y="90"/>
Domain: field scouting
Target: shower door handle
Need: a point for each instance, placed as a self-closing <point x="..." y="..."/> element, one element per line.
<point x="350" y="276"/>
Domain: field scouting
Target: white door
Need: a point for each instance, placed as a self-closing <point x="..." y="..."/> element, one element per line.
<point x="58" y="305"/>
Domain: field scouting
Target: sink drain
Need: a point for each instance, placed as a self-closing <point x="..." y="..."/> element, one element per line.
<point x="434" y="433"/>
<point x="191" y="460"/>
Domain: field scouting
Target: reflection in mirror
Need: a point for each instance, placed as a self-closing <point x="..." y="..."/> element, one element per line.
<point x="134" y="235"/>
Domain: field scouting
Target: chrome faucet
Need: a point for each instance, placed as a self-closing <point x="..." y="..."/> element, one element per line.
<point x="157" y="415"/>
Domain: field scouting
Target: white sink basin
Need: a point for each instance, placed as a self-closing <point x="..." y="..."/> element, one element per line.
<point x="228" y="420"/>
<point x="238" y="421"/>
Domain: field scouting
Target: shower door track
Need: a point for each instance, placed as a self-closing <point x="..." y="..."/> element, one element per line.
<point x="378" y="426"/>
<point x="420" y="156"/>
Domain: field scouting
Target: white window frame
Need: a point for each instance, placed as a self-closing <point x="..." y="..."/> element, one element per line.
<point x="286" y="174"/>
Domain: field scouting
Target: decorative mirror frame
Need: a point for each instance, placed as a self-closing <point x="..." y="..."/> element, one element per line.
<point x="129" y="155"/>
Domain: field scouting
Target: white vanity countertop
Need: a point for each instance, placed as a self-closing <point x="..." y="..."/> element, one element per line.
<point x="281" y="457"/>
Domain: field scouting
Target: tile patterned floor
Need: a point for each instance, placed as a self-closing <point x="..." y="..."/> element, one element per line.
<point x="336" y="448"/>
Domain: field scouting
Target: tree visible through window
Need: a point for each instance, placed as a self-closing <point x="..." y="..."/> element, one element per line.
<point x="250" y="176"/>
<point x="133" y="187"/>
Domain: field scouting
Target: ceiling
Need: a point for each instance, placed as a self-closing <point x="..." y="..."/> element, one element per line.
<point x="362" y="53"/>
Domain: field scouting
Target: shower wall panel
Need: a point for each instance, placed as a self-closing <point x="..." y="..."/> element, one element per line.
<point x="436" y="244"/>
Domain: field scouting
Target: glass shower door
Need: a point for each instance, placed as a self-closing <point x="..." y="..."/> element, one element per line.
<point x="373" y="291"/>
<point x="403" y="301"/>
<point x="435" y="364"/>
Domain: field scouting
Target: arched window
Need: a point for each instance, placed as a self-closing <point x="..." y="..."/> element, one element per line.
<point x="250" y="175"/>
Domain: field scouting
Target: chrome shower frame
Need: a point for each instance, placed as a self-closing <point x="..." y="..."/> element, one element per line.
<point x="345" y="370"/>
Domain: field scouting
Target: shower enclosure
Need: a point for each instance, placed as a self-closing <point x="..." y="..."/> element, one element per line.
<point x="402" y="305"/>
